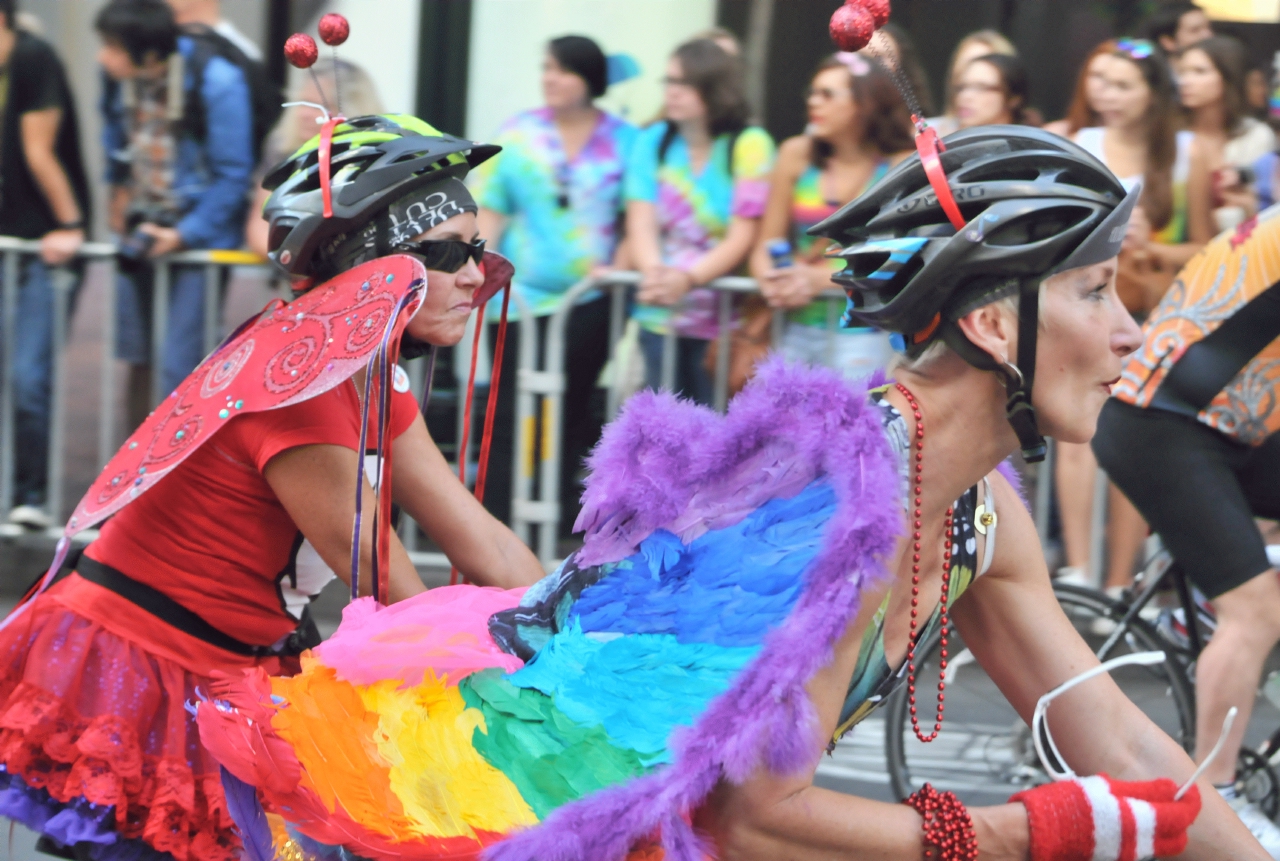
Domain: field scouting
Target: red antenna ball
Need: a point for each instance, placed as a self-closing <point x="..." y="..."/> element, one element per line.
<point x="334" y="29"/>
<point x="852" y="27"/>
<point x="300" y="50"/>
<point x="879" y="10"/>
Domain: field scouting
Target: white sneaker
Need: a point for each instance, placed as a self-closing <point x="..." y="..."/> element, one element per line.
<point x="1073" y="575"/>
<point x="30" y="516"/>
<point x="1258" y="824"/>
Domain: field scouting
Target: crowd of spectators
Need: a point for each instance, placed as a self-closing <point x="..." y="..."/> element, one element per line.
<point x="697" y="193"/>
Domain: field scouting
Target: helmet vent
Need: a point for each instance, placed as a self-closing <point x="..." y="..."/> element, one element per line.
<point x="1039" y="227"/>
<point x="279" y="232"/>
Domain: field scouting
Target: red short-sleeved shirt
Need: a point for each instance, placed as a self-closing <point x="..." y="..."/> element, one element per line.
<point x="212" y="535"/>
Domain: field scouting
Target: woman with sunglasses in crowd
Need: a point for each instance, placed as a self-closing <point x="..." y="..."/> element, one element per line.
<point x="552" y="203"/>
<point x="858" y="128"/>
<point x="1124" y="113"/>
<point x="209" y="568"/>
<point x="695" y="189"/>
<point x="1228" y="142"/>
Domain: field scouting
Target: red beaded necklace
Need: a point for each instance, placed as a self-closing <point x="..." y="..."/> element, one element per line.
<point x="917" y="523"/>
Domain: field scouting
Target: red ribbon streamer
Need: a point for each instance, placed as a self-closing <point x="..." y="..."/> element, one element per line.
<point x="324" y="154"/>
<point x="928" y="145"/>
<point x="466" y="413"/>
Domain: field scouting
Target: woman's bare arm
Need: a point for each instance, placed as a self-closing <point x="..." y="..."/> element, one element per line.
<point x="642" y="235"/>
<point x="776" y="222"/>
<point x="316" y="486"/>
<point x="480" y="546"/>
<point x="774" y="816"/>
<point x="491" y="225"/>
<point x="1012" y="611"/>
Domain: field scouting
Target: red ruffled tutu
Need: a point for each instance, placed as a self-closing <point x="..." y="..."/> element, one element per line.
<point x="93" y="696"/>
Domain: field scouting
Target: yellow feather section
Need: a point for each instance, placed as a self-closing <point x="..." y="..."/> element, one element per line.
<point x="332" y="734"/>
<point x="446" y="787"/>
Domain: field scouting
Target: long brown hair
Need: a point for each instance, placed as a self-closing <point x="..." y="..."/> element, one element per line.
<point x="1228" y="57"/>
<point x="718" y="78"/>
<point x="1162" y="124"/>
<point x="886" y="120"/>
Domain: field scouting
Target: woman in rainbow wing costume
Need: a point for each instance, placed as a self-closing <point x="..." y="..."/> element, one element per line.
<point x="751" y="585"/>
<point x="233" y="503"/>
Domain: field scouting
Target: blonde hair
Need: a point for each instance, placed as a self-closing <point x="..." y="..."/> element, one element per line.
<point x="359" y="97"/>
<point x="940" y="348"/>
<point x="993" y="40"/>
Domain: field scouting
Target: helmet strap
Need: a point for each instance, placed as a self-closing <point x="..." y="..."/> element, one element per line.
<point x="1018" y="380"/>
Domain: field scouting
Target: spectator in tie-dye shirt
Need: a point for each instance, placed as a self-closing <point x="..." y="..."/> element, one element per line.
<point x="551" y="201"/>
<point x="696" y="188"/>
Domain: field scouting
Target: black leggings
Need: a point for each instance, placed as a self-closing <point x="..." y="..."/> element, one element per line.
<point x="1199" y="488"/>
<point x="586" y="351"/>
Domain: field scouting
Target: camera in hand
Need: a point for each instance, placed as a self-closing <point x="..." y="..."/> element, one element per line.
<point x="136" y="245"/>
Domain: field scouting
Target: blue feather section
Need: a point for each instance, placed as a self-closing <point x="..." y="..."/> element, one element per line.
<point x="638" y="687"/>
<point x="729" y="587"/>
<point x="247" y="813"/>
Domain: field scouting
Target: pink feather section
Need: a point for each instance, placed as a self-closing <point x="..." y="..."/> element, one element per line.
<point x="444" y="631"/>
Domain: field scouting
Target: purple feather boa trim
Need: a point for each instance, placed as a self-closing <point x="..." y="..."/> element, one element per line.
<point x="667" y="462"/>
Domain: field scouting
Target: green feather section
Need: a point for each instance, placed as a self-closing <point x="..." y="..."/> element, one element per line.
<point x="549" y="758"/>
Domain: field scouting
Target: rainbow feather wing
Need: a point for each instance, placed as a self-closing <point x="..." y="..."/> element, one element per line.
<point x="394" y="768"/>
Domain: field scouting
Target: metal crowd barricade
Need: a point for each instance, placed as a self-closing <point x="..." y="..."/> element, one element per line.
<point x="63" y="281"/>
<point x="548" y="383"/>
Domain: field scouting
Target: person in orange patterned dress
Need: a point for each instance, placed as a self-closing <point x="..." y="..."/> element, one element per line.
<point x="1190" y="437"/>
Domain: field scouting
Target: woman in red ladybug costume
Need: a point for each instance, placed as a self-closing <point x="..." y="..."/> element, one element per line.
<point x="233" y="504"/>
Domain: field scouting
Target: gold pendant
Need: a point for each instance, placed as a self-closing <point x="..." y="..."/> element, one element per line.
<point x="983" y="518"/>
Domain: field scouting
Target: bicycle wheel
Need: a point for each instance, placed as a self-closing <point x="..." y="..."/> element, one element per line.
<point x="985" y="752"/>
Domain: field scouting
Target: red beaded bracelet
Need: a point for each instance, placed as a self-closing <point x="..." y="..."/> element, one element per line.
<point x="947" y="825"/>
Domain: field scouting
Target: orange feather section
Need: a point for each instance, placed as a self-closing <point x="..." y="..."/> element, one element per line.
<point x="247" y="739"/>
<point x="332" y="735"/>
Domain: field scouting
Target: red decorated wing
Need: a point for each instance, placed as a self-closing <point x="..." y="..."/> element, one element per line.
<point x="289" y="354"/>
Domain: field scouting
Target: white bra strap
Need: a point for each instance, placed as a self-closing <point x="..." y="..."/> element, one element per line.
<point x="989" y="504"/>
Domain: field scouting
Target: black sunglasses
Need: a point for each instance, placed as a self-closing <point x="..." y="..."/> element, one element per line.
<point x="445" y="255"/>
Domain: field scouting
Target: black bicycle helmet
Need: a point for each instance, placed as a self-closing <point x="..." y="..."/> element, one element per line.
<point x="374" y="160"/>
<point x="1032" y="203"/>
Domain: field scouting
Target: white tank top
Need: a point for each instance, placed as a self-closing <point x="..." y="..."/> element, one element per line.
<point x="1091" y="140"/>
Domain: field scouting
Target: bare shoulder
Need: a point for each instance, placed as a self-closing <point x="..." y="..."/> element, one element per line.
<point x="1018" y="552"/>
<point x="1062" y="128"/>
<point x="794" y="154"/>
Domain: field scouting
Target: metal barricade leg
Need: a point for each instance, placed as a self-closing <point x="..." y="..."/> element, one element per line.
<point x="617" y="308"/>
<point x="1098" y="530"/>
<point x="159" y="327"/>
<point x="107" y="370"/>
<point x="8" y="308"/>
<point x="212" y="319"/>
<point x="524" y="453"/>
<point x="724" y="310"/>
<point x="669" y="359"/>
<point x="63" y="282"/>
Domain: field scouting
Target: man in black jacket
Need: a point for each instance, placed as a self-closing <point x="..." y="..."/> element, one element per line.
<point x="43" y="195"/>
